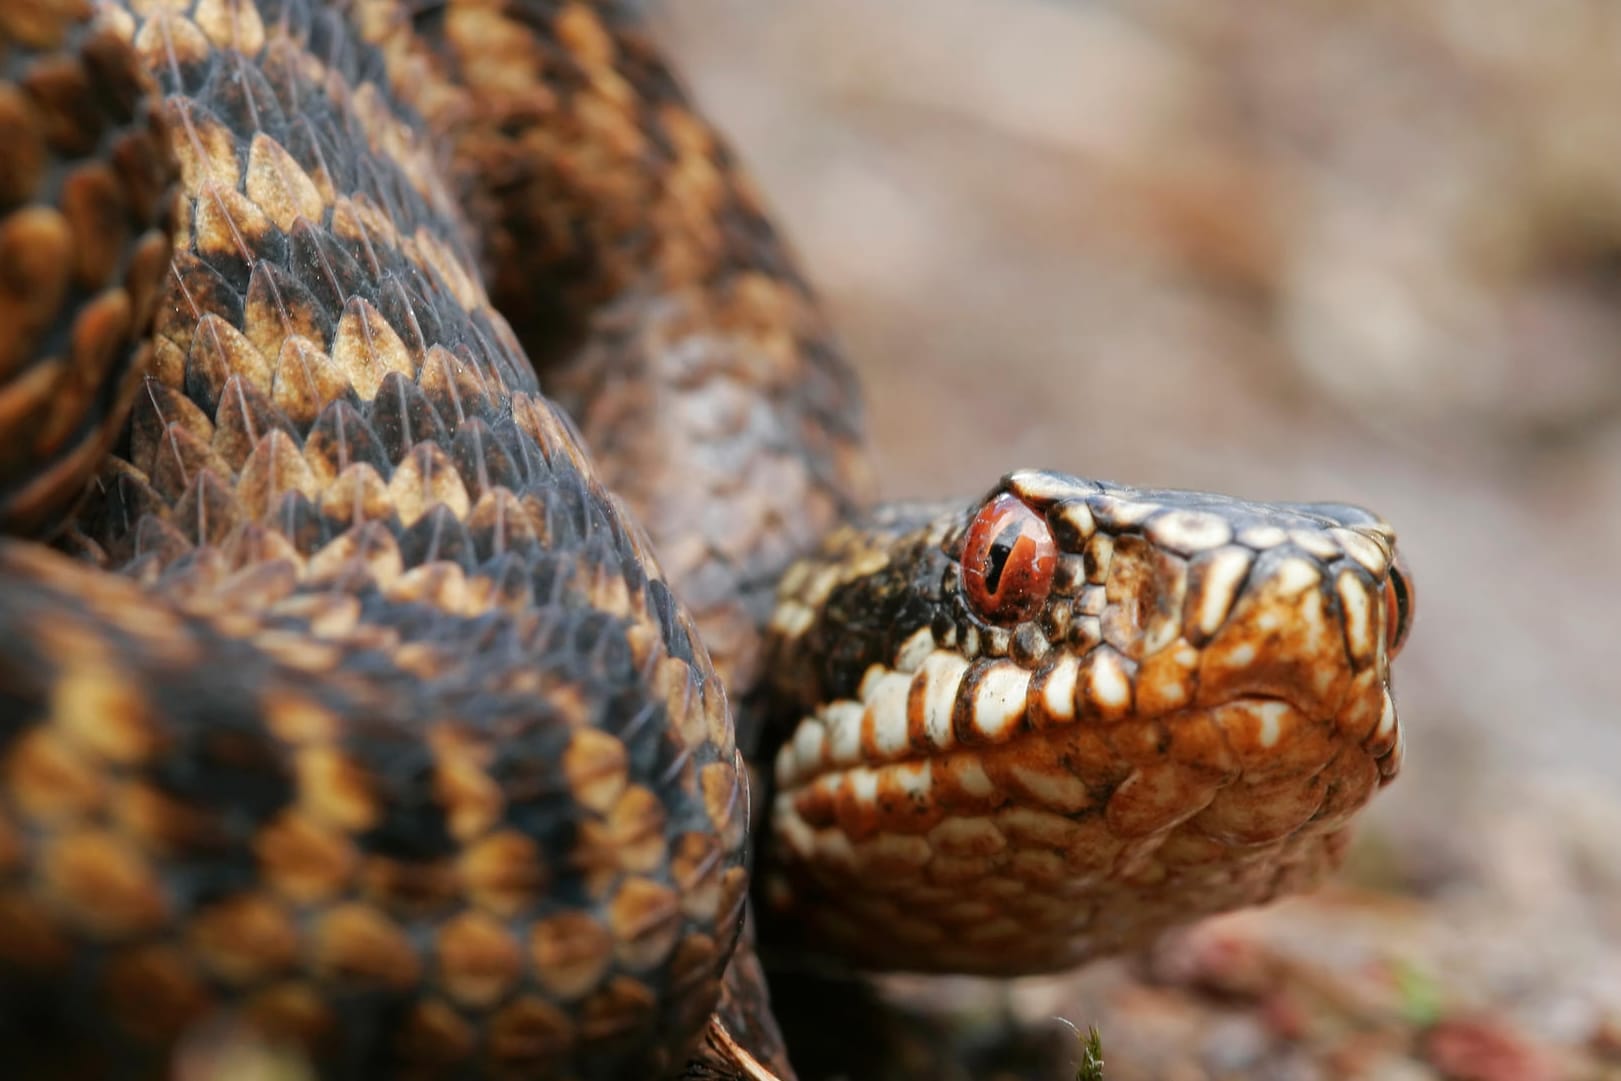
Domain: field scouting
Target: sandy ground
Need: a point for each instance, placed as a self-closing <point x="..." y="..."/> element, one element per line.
<point x="1313" y="251"/>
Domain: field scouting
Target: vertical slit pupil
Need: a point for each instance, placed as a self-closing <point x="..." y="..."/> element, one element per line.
<point x="997" y="556"/>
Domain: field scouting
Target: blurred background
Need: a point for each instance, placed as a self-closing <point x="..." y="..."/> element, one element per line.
<point x="1287" y="250"/>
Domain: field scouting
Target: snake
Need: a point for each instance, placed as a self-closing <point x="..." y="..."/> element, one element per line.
<point x="446" y="628"/>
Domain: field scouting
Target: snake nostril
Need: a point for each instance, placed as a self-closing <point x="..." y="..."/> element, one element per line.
<point x="1401" y="603"/>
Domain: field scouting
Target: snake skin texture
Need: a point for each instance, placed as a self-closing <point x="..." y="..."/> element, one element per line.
<point x="388" y="734"/>
<point x="641" y="274"/>
<point x="83" y="245"/>
<point x="350" y="703"/>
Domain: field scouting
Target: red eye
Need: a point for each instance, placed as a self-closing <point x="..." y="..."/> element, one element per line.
<point x="1400" y="604"/>
<point x="1008" y="560"/>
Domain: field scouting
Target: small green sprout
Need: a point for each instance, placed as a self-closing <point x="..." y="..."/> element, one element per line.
<point x="1090" y="1066"/>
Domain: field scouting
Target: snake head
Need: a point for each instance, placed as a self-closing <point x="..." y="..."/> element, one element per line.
<point x="1046" y="726"/>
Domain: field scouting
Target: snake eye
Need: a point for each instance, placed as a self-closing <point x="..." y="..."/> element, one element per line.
<point x="1400" y="604"/>
<point x="1008" y="561"/>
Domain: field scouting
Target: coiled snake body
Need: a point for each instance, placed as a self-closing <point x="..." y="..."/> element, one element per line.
<point x="342" y="697"/>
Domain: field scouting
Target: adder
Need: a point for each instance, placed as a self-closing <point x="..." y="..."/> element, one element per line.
<point x="344" y="701"/>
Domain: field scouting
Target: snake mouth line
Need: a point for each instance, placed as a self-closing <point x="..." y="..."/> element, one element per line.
<point x="1143" y="775"/>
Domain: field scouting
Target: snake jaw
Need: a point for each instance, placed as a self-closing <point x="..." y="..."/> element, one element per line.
<point x="1186" y="725"/>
